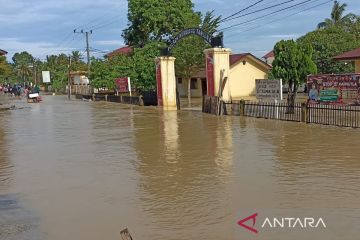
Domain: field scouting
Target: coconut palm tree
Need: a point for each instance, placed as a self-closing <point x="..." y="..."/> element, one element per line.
<point x="23" y="70"/>
<point x="337" y="16"/>
<point x="76" y="56"/>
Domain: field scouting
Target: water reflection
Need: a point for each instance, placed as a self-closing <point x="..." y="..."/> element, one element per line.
<point x="180" y="171"/>
<point x="6" y="167"/>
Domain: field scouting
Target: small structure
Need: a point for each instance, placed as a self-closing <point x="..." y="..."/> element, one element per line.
<point x="80" y="83"/>
<point x="3" y="52"/>
<point x="269" y="57"/>
<point x="353" y="55"/>
<point x="245" y="68"/>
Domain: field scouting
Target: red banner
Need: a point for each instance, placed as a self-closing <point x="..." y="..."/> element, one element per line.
<point x="122" y="85"/>
<point x="158" y="83"/>
<point x="334" y="88"/>
<point x="210" y="74"/>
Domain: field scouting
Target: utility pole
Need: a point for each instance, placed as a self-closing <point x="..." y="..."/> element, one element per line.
<point x="87" y="47"/>
<point x="69" y="79"/>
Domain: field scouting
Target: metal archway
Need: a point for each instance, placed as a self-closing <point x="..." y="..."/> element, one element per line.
<point x="214" y="41"/>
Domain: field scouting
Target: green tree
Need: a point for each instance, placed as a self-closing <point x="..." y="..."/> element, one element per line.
<point x="189" y="52"/>
<point x="23" y="63"/>
<point x="144" y="66"/>
<point x="5" y="70"/>
<point x="293" y="62"/>
<point x="337" y="16"/>
<point x="156" y="20"/>
<point x="329" y="42"/>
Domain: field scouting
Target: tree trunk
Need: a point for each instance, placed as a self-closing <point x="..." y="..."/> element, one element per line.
<point x="189" y="91"/>
<point x="292" y="91"/>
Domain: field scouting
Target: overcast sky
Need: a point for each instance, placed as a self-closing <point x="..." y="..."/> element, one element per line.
<point x="44" y="27"/>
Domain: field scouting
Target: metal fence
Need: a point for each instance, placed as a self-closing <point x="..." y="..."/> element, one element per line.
<point x="337" y="115"/>
<point x="280" y="111"/>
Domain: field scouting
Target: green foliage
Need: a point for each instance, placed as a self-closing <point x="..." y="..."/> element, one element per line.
<point x="104" y="72"/>
<point x="189" y="52"/>
<point x="156" y="20"/>
<point x="144" y="66"/>
<point x="329" y="42"/>
<point x="5" y="70"/>
<point x="293" y="62"/>
<point x="337" y="16"/>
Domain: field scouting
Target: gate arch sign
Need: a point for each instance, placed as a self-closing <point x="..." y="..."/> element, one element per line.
<point x="216" y="41"/>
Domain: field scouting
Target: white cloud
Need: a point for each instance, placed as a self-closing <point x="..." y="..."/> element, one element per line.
<point x="37" y="49"/>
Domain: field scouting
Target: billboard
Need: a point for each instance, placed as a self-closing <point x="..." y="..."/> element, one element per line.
<point x="334" y="88"/>
<point x="268" y="89"/>
<point x="123" y="85"/>
<point x="46" y="76"/>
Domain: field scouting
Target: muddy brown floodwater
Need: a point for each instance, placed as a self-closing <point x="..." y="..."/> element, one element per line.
<point x="87" y="170"/>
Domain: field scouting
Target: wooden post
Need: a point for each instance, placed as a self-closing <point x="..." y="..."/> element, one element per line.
<point x="106" y="97"/>
<point x="242" y="107"/>
<point x="304" y="112"/>
<point x="69" y="79"/>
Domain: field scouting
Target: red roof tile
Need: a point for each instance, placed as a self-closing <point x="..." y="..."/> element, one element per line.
<point x="124" y="50"/>
<point x="269" y="55"/>
<point x="235" y="58"/>
<point x="351" y="55"/>
<point x="3" y="52"/>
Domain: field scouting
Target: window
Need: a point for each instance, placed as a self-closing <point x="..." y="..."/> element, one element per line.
<point x="193" y="84"/>
<point x="179" y="80"/>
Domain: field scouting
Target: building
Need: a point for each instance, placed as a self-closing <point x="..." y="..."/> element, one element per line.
<point x="353" y="56"/>
<point x="126" y="50"/>
<point x="245" y="68"/>
<point x="269" y="57"/>
<point x="3" y="52"/>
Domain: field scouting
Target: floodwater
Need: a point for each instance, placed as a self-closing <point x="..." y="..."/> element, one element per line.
<point x="82" y="170"/>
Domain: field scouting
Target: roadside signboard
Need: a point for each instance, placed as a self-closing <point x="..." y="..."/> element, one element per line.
<point x="269" y="89"/>
<point x="123" y="85"/>
<point x="46" y="76"/>
<point x="334" y="88"/>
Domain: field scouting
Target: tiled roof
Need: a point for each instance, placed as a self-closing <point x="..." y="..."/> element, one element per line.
<point x="235" y="58"/>
<point x="124" y="50"/>
<point x="3" y="52"/>
<point x="351" y="55"/>
<point x="269" y="55"/>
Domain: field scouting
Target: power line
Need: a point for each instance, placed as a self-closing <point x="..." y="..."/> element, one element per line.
<point x="260" y="10"/>
<point x="266" y="15"/>
<point x="290" y="15"/>
<point x="242" y="10"/>
<point x="279" y="19"/>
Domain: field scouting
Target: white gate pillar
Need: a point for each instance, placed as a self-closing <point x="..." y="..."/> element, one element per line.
<point x="166" y="82"/>
<point x="218" y="72"/>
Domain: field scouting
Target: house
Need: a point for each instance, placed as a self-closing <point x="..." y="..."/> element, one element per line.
<point x="126" y="50"/>
<point x="269" y="57"/>
<point x="353" y="55"/>
<point x="3" y="52"/>
<point x="245" y="68"/>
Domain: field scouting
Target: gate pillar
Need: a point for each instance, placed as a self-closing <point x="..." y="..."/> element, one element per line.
<point x="218" y="72"/>
<point x="166" y="82"/>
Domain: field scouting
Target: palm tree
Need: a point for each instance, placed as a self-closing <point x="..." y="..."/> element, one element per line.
<point x="337" y="16"/>
<point x="76" y="56"/>
<point x="24" y="71"/>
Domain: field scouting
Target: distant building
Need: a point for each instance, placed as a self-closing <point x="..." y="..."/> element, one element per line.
<point x="353" y="55"/>
<point x="245" y="68"/>
<point x="3" y="52"/>
<point x="269" y="57"/>
<point x="126" y="50"/>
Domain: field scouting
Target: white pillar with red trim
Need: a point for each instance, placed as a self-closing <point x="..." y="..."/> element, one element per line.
<point x="166" y="82"/>
<point x="218" y="72"/>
